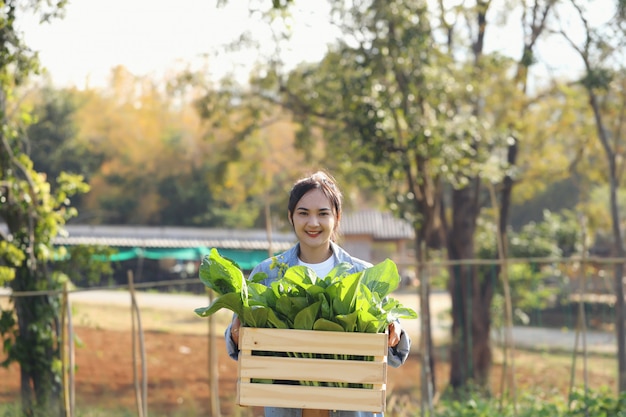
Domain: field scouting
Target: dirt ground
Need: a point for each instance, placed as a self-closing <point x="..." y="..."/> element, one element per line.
<point x="177" y="369"/>
<point x="178" y="374"/>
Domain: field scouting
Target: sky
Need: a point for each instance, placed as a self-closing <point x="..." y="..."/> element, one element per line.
<point x="149" y="37"/>
<point x="153" y="37"/>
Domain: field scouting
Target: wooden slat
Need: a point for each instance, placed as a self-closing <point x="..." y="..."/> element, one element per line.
<point x="304" y="369"/>
<point x="307" y="341"/>
<point x="253" y="366"/>
<point x="325" y="398"/>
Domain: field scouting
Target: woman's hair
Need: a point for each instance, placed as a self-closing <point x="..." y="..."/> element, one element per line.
<point x="321" y="181"/>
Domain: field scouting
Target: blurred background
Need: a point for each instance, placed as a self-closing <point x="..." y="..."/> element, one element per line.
<point x="478" y="145"/>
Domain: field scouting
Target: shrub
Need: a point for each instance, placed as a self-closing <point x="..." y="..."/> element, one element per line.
<point x="596" y="403"/>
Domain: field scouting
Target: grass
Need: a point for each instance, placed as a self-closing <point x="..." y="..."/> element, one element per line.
<point x="109" y="317"/>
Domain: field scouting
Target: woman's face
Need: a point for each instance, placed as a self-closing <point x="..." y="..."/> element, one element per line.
<point x="314" y="222"/>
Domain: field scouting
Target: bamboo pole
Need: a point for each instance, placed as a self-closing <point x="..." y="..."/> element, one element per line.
<point x="509" y="348"/>
<point x="213" y="364"/>
<point x="72" y="359"/>
<point x="64" y="355"/>
<point x="268" y="226"/>
<point x="140" y="392"/>
<point x="426" y="337"/>
<point x="581" y="328"/>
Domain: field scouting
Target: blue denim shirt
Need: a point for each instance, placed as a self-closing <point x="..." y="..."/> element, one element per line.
<point x="396" y="356"/>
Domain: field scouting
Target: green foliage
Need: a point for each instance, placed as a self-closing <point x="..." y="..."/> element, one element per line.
<point x="597" y="79"/>
<point x="190" y="203"/>
<point x="356" y="302"/>
<point x="298" y="299"/>
<point x="598" y="403"/>
<point x="13" y="257"/>
<point x="598" y="208"/>
<point x="33" y="215"/>
<point x="82" y="264"/>
<point x="53" y="142"/>
<point x="557" y="235"/>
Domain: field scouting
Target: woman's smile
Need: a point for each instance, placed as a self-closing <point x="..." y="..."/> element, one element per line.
<point x="314" y="222"/>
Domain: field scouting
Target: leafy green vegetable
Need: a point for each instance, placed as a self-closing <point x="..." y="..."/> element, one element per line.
<point x="231" y="301"/>
<point x="298" y="299"/>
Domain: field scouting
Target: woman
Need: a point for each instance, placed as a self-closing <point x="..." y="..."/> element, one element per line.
<point x="314" y="211"/>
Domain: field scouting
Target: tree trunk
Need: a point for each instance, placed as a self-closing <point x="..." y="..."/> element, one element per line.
<point x="37" y="348"/>
<point x="618" y="245"/>
<point x="620" y="326"/>
<point x="428" y="358"/>
<point x="470" y="350"/>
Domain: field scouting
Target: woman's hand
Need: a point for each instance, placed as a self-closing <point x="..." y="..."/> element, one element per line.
<point x="394" y="331"/>
<point x="234" y="330"/>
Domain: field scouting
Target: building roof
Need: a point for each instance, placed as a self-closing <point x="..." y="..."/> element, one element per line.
<point x="379" y="225"/>
<point x="172" y="237"/>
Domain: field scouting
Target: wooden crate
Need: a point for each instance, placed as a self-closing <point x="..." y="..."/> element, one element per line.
<point x="254" y="365"/>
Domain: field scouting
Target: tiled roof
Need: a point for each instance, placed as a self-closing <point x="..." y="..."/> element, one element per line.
<point x="379" y="225"/>
<point x="172" y="237"/>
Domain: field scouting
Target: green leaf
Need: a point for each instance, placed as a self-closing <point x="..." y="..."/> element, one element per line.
<point x="284" y="287"/>
<point x="325" y="310"/>
<point x="365" y="300"/>
<point x="327" y="325"/>
<point x="274" y="321"/>
<point x="259" y="294"/>
<point x="348" y="321"/>
<point x="231" y="301"/>
<point x="221" y="274"/>
<point x="369" y="323"/>
<point x="255" y="316"/>
<point x="289" y="307"/>
<point x="345" y="292"/>
<point x="340" y="270"/>
<point x="306" y="317"/>
<point x="298" y="303"/>
<point x="284" y="307"/>
<point x="382" y="278"/>
<point x="258" y="277"/>
<point x="300" y="276"/>
<point x="314" y="291"/>
<point x="401" y="313"/>
<point x="395" y="310"/>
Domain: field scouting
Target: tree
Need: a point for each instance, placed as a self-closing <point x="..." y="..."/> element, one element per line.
<point x="32" y="215"/>
<point x="396" y="107"/>
<point x="249" y="143"/>
<point x="51" y="137"/>
<point x="436" y="117"/>
<point x="601" y="52"/>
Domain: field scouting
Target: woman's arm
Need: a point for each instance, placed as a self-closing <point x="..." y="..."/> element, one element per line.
<point x="398" y="354"/>
<point x="231" y="335"/>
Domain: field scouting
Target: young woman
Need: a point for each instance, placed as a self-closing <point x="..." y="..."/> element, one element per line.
<point x="314" y="211"/>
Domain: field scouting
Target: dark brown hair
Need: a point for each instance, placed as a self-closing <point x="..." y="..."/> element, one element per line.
<point x="321" y="181"/>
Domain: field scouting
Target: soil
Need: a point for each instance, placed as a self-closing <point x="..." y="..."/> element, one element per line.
<point x="177" y="370"/>
<point x="178" y="375"/>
